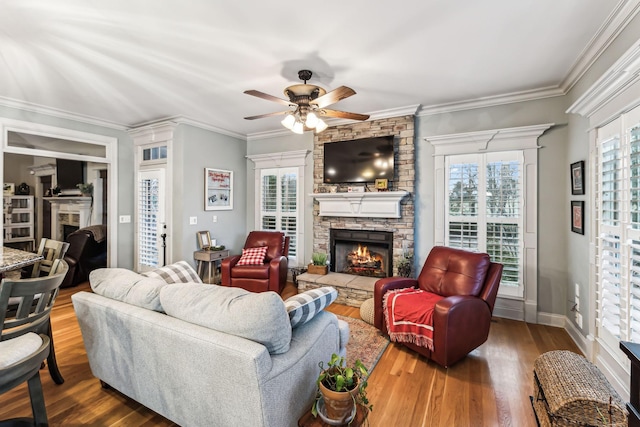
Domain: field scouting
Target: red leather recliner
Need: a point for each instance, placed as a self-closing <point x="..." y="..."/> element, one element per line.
<point x="469" y="282"/>
<point x="270" y="276"/>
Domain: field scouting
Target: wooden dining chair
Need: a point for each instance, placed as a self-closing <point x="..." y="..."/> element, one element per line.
<point x="25" y="305"/>
<point x="50" y="250"/>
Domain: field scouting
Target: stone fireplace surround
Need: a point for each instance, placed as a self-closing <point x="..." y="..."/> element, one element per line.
<point x="353" y="290"/>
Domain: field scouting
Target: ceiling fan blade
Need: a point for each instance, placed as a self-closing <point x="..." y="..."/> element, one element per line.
<point x="334" y="96"/>
<point x="278" y="113"/>
<point x="343" y="114"/>
<point x="269" y="97"/>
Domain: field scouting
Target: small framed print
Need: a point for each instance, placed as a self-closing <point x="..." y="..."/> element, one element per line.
<point x="204" y="240"/>
<point x="577" y="216"/>
<point x="382" y="184"/>
<point x="218" y="190"/>
<point x="577" y="178"/>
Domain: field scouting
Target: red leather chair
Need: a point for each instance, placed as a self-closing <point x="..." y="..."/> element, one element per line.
<point x="469" y="284"/>
<point x="270" y="276"/>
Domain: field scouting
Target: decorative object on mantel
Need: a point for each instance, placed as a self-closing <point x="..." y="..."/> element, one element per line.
<point x="86" y="189"/>
<point x="382" y="184"/>
<point x="23" y="189"/>
<point x="318" y="263"/>
<point x="56" y="190"/>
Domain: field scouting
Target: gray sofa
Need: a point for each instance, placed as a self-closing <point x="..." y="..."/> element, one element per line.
<point x="195" y="375"/>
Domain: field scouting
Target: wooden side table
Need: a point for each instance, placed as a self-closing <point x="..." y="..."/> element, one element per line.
<point x="308" y="419"/>
<point x="210" y="257"/>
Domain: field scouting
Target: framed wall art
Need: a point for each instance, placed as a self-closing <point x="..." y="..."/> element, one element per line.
<point x="577" y="216"/>
<point x="218" y="189"/>
<point x="577" y="178"/>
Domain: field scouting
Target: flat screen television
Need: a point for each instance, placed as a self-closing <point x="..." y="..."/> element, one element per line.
<point x="359" y="160"/>
<point x="69" y="173"/>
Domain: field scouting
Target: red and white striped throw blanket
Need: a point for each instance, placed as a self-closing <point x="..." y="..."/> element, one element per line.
<point x="409" y="315"/>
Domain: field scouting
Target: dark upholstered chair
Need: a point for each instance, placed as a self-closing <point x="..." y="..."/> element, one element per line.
<point x="469" y="284"/>
<point x="271" y="275"/>
<point x="87" y="252"/>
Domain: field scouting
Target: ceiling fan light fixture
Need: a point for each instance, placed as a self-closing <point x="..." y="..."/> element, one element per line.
<point x="289" y="121"/>
<point x="312" y="120"/>
<point x="298" y="128"/>
<point x="321" y="125"/>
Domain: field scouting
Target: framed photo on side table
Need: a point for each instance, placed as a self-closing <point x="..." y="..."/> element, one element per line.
<point x="204" y="240"/>
<point x="218" y="190"/>
<point x="577" y="216"/>
<point x="577" y="178"/>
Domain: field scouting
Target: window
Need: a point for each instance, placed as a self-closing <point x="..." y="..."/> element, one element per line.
<point x="279" y="204"/>
<point x="618" y="230"/>
<point x="279" y="184"/>
<point x="150" y="219"/>
<point x="484" y="202"/>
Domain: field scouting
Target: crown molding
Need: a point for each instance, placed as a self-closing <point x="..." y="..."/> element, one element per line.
<point x="619" y="18"/>
<point x="181" y="120"/>
<point x="61" y="114"/>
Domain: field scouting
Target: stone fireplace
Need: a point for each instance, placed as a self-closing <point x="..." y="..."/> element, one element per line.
<point x="353" y="290"/>
<point x="361" y="253"/>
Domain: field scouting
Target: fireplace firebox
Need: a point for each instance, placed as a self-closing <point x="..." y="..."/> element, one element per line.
<point x="361" y="252"/>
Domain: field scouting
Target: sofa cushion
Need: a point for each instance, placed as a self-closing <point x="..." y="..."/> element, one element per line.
<point x="302" y="307"/>
<point x="251" y="271"/>
<point x="253" y="256"/>
<point x="127" y="286"/>
<point x="260" y="317"/>
<point x="179" y="272"/>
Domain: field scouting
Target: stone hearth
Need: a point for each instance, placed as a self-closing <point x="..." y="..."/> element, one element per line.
<point x="352" y="290"/>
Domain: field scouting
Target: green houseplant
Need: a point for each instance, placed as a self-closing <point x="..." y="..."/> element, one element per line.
<point x="318" y="263"/>
<point x="86" y="188"/>
<point x="341" y="388"/>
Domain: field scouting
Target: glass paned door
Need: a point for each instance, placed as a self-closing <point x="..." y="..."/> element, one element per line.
<point x="151" y="219"/>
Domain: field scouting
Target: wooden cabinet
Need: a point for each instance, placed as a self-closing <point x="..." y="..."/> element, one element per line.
<point x="18" y="220"/>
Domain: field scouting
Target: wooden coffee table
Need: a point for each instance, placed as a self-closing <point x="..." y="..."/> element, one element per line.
<point x="308" y="419"/>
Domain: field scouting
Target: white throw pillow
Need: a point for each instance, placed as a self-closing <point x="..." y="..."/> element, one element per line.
<point x="127" y="286"/>
<point x="259" y="317"/>
<point x="302" y="307"/>
<point x="179" y="272"/>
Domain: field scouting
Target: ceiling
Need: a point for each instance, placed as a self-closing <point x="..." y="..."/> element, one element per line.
<point x="127" y="63"/>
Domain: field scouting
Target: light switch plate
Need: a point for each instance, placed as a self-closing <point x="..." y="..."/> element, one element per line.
<point x="125" y="219"/>
<point x="193" y="220"/>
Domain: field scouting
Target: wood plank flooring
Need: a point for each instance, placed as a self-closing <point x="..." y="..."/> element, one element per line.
<point x="491" y="387"/>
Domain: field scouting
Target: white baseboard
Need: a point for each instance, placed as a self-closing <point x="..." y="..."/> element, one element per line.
<point x="550" y="319"/>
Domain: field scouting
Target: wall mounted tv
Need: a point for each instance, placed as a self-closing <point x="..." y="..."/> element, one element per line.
<point x="359" y="160"/>
<point x="69" y="173"/>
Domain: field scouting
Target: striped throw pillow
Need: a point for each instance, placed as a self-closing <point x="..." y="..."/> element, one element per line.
<point x="253" y="256"/>
<point x="302" y="307"/>
<point x="180" y="272"/>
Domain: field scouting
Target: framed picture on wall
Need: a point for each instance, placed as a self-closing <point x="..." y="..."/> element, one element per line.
<point x="577" y="178"/>
<point x="218" y="189"/>
<point x="577" y="216"/>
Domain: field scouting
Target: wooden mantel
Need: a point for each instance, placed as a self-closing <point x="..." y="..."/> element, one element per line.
<point x="383" y="204"/>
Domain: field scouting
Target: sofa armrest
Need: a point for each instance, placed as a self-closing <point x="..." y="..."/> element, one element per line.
<point x="460" y="324"/>
<point x="381" y="287"/>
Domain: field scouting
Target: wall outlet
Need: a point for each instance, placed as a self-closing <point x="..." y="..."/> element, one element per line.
<point x="125" y="219"/>
<point x="193" y="220"/>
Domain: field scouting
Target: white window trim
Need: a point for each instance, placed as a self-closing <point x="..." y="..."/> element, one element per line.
<point x="524" y="139"/>
<point x="292" y="159"/>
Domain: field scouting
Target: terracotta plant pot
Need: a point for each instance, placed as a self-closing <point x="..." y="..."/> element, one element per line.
<point x="317" y="269"/>
<point x="338" y="404"/>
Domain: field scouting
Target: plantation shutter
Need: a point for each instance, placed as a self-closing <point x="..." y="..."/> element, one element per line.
<point x="484" y="201"/>
<point x="150" y="218"/>
<point x="279" y="208"/>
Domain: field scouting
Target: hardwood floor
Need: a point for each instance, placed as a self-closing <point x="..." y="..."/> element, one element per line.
<point x="491" y="387"/>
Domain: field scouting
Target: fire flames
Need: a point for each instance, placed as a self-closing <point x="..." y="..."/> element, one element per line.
<point x="362" y="260"/>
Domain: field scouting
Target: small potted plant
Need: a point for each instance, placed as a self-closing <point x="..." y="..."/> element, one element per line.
<point x="318" y="263"/>
<point x="85" y="189"/>
<point x="340" y="389"/>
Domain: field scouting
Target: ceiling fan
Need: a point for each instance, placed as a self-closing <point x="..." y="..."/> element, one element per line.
<point x="308" y="103"/>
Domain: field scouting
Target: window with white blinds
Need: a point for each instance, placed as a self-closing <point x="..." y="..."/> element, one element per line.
<point x="484" y="199"/>
<point x="150" y="218"/>
<point x="617" y="225"/>
<point x="279" y="204"/>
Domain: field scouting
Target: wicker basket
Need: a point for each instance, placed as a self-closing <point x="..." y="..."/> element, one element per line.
<point x="570" y="391"/>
